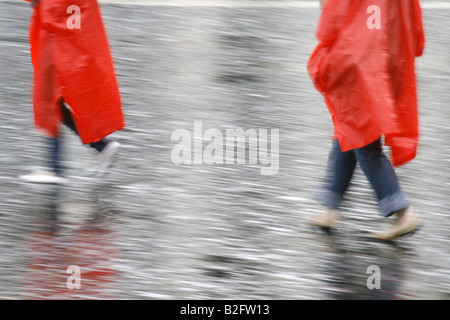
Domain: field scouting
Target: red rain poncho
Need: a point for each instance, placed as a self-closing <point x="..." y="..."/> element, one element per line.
<point x="364" y="67"/>
<point x="71" y="59"/>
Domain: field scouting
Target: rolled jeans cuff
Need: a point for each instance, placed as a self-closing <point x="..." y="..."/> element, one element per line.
<point x="393" y="203"/>
<point x="330" y="199"/>
<point x="387" y="206"/>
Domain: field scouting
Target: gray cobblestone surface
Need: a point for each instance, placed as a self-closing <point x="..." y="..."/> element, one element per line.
<point x="156" y="230"/>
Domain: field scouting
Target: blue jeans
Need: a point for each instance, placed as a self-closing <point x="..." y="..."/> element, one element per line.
<point x="376" y="167"/>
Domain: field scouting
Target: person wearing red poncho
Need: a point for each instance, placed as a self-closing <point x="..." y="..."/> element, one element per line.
<point x="74" y="80"/>
<point x="364" y="68"/>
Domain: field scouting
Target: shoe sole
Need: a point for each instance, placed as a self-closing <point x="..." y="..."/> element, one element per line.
<point x="404" y="234"/>
<point x="410" y="233"/>
<point x="326" y="230"/>
<point x="42" y="181"/>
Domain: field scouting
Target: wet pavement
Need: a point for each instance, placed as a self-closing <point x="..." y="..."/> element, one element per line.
<point x="153" y="229"/>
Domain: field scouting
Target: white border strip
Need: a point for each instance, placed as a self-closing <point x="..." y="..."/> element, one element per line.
<point x="246" y="3"/>
<point x="217" y="3"/>
<point x="241" y="4"/>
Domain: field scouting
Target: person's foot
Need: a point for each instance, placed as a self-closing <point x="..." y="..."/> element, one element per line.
<point x="106" y="157"/>
<point x="326" y="218"/>
<point x="45" y="177"/>
<point x="408" y="221"/>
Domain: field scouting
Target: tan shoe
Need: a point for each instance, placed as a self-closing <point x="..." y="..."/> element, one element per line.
<point x="327" y="218"/>
<point x="408" y="222"/>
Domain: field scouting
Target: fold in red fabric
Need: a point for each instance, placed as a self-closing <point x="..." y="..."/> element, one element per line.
<point x="364" y="66"/>
<point x="72" y="60"/>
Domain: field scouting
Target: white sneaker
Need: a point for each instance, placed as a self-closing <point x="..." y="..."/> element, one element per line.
<point x="46" y="177"/>
<point x="106" y="157"/>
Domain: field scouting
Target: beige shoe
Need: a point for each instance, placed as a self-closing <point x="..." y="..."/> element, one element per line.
<point x="327" y="218"/>
<point x="408" y="222"/>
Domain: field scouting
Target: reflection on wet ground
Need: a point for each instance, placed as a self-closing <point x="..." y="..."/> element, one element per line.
<point x="152" y="229"/>
<point x="58" y="244"/>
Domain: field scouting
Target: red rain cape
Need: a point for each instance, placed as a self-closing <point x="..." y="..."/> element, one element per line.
<point x="71" y="59"/>
<point x="364" y="67"/>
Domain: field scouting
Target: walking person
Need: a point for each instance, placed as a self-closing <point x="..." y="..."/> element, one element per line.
<point x="74" y="81"/>
<point x="364" y="68"/>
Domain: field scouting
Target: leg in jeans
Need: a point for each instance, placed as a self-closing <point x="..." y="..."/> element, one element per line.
<point x="382" y="177"/>
<point x="376" y="168"/>
<point x="54" y="158"/>
<point x="341" y="166"/>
